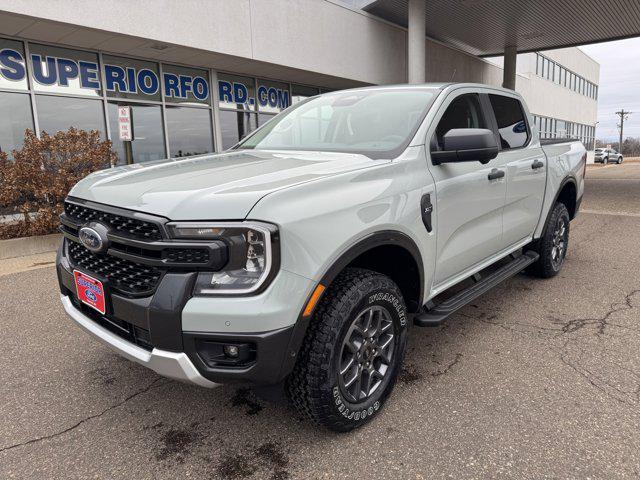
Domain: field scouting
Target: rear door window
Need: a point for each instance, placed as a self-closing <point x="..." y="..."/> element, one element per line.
<point x="512" y="125"/>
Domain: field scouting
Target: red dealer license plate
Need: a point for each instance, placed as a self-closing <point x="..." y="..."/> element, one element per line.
<point x="90" y="291"/>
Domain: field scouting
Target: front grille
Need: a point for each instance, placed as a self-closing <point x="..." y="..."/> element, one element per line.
<point x="123" y="275"/>
<point x="126" y="226"/>
<point x="187" y="255"/>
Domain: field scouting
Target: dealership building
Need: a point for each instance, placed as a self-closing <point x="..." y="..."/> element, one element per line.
<point x="199" y="75"/>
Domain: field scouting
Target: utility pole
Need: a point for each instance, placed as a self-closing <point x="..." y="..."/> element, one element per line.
<point x="623" y="116"/>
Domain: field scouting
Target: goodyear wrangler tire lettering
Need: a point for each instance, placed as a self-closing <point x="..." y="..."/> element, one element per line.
<point x="360" y="321"/>
<point x="395" y="301"/>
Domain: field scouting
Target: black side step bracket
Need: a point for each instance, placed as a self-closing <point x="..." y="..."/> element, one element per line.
<point x="432" y="317"/>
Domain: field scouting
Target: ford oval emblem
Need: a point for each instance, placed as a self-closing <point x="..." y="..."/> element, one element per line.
<point x="91" y="239"/>
<point x="90" y="295"/>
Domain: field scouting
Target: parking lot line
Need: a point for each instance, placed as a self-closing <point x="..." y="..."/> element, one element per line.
<point x="618" y="214"/>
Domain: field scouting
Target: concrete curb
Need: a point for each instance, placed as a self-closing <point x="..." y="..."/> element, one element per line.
<point x="19" y="247"/>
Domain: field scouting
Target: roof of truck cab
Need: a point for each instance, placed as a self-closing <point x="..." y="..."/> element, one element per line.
<point x="397" y="86"/>
<point x="434" y="86"/>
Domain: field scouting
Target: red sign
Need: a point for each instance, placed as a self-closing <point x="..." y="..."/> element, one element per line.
<point x="90" y="291"/>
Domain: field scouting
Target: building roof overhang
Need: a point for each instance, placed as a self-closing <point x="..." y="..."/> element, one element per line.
<point x="486" y="27"/>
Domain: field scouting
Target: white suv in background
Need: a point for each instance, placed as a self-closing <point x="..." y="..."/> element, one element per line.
<point x="607" y="155"/>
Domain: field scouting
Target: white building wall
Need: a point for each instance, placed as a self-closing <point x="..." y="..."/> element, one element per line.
<point x="308" y="41"/>
<point x="549" y="99"/>
<point x="445" y="64"/>
<point x="312" y="35"/>
<point x="546" y="98"/>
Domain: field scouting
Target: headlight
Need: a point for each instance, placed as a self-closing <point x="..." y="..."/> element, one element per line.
<point x="252" y="247"/>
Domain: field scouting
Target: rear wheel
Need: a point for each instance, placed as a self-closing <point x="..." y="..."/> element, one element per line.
<point x="605" y="160"/>
<point x="352" y="353"/>
<point x="552" y="247"/>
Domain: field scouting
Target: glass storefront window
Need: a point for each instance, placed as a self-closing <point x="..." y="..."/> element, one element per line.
<point x="148" y="137"/>
<point x="547" y="68"/>
<point x="300" y="92"/>
<point x="539" y="63"/>
<point x="13" y="126"/>
<point x="13" y="73"/>
<point x="561" y="129"/>
<point x="264" y="118"/>
<point x="239" y="94"/>
<point x="59" y="113"/>
<point x="185" y="85"/>
<point x="235" y="126"/>
<point x="131" y="79"/>
<point x="70" y="85"/>
<point x="60" y="70"/>
<point x="189" y="131"/>
<point x="272" y="97"/>
<point x="235" y="92"/>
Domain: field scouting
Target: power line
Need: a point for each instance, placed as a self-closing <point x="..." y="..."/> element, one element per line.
<point x="623" y="116"/>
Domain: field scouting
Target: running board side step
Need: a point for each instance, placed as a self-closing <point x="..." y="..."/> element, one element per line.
<point x="436" y="315"/>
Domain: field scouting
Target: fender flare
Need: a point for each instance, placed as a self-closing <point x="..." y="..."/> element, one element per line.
<point x="568" y="179"/>
<point x="373" y="240"/>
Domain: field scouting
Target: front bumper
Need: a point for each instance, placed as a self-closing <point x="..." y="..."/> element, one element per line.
<point x="174" y="334"/>
<point x="176" y="365"/>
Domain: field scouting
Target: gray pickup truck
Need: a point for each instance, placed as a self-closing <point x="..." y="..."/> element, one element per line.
<point x="300" y="257"/>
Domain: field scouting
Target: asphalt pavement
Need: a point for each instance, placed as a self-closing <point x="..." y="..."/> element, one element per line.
<point x="537" y="379"/>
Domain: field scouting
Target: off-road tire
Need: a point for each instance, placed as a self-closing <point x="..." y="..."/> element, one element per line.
<point x="313" y="387"/>
<point x="546" y="267"/>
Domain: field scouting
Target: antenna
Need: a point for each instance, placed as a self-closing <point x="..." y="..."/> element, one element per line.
<point x="453" y="74"/>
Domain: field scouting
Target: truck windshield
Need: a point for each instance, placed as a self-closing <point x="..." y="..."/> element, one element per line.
<point x="376" y="123"/>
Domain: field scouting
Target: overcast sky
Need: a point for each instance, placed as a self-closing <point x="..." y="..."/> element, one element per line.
<point x="619" y="86"/>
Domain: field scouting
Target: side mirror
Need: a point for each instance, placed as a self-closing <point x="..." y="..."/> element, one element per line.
<point x="467" y="145"/>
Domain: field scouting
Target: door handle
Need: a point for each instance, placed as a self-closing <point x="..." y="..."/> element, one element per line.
<point x="426" y="210"/>
<point x="495" y="174"/>
<point x="537" y="164"/>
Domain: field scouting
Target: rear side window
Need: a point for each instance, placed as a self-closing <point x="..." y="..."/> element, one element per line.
<point x="463" y="112"/>
<point x="512" y="125"/>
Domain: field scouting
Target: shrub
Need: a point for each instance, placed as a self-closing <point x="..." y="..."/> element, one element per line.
<point x="35" y="183"/>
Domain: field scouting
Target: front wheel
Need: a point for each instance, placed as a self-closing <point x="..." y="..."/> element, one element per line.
<point x="619" y="160"/>
<point x="605" y="161"/>
<point x="552" y="247"/>
<point x="352" y="352"/>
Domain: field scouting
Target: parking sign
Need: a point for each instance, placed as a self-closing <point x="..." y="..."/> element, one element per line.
<point x="125" y="128"/>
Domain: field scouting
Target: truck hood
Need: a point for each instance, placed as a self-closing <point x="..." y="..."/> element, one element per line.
<point x="211" y="187"/>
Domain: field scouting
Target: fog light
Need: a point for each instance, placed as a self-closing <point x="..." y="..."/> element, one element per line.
<point x="220" y="354"/>
<point x="231" y="351"/>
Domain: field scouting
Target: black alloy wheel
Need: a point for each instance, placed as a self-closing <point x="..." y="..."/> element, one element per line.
<point x="560" y="240"/>
<point x="552" y="246"/>
<point x="367" y="354"/>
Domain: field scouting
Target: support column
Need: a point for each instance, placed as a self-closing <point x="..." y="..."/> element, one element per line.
<point x="416" y="41"/>
<point x="509" y="78"/>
